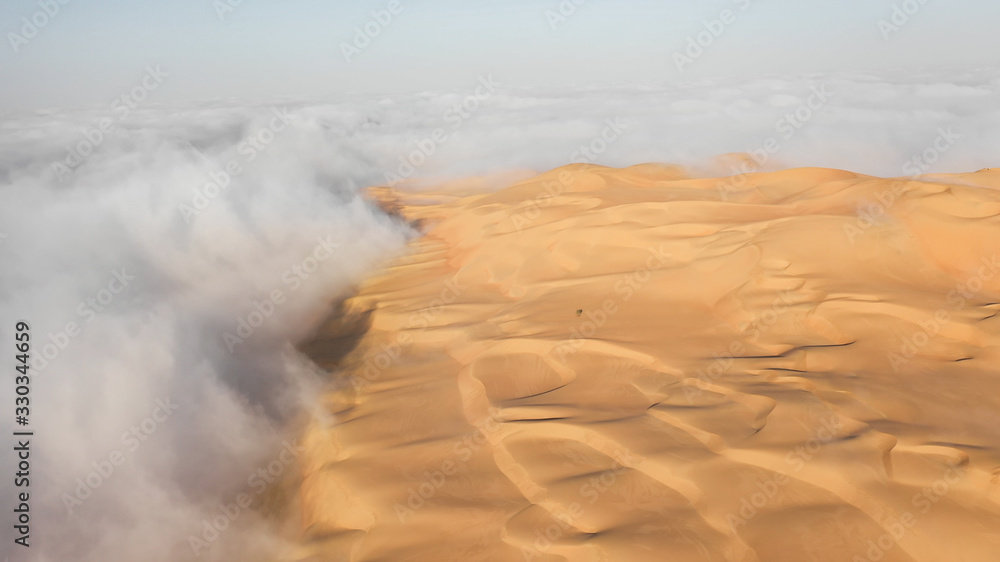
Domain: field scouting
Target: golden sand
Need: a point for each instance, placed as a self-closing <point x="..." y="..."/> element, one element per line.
<point x="633" y="365"/>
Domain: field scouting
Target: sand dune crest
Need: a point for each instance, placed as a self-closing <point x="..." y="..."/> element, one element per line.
<point x="626" y="365"/>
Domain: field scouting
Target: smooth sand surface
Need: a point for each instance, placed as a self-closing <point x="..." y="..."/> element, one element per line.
<point x="632" y="365"/>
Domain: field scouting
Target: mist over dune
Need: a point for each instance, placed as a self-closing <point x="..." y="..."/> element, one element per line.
<point x="166" y="309"/>
<point x="169" y="259"/>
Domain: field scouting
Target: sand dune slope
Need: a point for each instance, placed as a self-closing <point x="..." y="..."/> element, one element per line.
<point x="631" y="365"/>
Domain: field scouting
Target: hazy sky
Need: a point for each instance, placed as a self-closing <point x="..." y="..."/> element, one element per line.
<point x="92" y="51"/>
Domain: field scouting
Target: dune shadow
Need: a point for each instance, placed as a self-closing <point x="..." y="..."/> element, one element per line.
<point x="337" y="336"/>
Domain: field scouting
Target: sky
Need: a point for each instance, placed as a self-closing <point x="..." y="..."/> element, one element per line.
<point x="90" y="52"/>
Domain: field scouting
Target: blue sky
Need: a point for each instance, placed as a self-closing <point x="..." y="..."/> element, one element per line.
<point x="91" y="51"/>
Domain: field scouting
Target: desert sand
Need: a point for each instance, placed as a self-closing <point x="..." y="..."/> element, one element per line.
<point x="633" y="365"/>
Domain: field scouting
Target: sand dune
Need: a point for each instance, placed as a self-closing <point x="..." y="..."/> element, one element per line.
<point x="633" y="365"/>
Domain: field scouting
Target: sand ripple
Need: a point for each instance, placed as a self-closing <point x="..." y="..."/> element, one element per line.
<point x="631" y="365"/>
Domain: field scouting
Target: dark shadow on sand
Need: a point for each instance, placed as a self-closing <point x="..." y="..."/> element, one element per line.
<point x="336" y="337"/>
